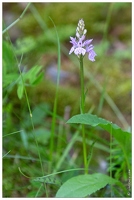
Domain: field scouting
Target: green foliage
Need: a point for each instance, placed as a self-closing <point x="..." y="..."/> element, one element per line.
<point x="84" y="185"/>
<point x="118" y="165"/>
<point x="9" y="60"/>
<point x="123" y="137"/>
<point x="30" y="78"/>
<point x="48" y="180"/>
<point x="20" y="91"/>
<point x="11" y="76"/>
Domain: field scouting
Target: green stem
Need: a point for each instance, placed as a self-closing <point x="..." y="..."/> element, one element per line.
<point x="111" y="157"/>
<point x="17" y="20"/>
<point x="30" y="112"/>
<point x="52" y="136"/>
<point x="82" y="85"/>
<point x="82" y="106"/>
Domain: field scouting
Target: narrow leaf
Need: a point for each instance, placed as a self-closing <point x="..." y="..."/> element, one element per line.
<point x="20" y="91"/>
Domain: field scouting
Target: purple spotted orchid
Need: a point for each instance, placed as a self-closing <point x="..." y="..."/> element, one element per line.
<point x="80" y="45"/>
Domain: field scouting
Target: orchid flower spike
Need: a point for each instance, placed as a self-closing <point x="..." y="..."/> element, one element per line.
<point x="80" y="45"/>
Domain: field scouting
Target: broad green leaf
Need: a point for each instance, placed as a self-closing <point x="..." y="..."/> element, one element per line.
<point x="84" y="185"/>
<point x="123" y="137"/>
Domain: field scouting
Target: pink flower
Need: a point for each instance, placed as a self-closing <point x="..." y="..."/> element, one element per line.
<point x="80" y="45"/>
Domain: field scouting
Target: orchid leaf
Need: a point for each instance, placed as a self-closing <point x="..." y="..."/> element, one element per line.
<point x="84" y="185"/>
<point x="123" y="137"/>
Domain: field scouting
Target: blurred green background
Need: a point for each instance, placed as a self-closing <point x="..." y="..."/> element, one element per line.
<point x="108" y="79"/>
